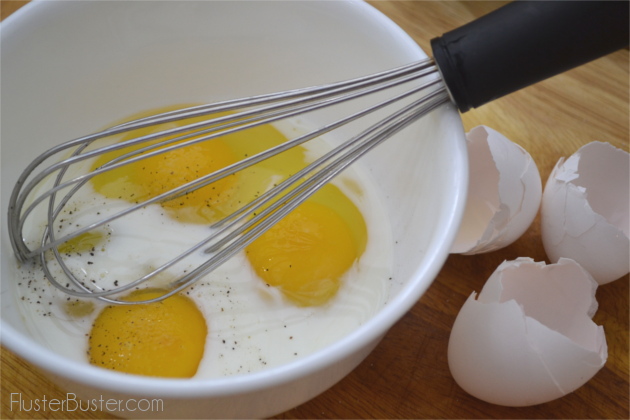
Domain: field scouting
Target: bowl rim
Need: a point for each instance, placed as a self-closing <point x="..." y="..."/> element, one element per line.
<point x="369" y="332"/>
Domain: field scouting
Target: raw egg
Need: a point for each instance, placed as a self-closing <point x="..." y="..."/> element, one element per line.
<point x="153" y="176"/>
<point x="304" y="255"/>
<point x="164" y="338"/>
<point x="320" y="292"/>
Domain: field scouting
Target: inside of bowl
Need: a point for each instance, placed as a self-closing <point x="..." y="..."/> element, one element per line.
<point x="132" y="56"/>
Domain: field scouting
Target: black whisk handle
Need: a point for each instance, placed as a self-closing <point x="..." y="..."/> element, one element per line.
<point x="525" y="42"/>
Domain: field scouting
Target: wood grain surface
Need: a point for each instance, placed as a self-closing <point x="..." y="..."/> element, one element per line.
<point x="407" y="375"/>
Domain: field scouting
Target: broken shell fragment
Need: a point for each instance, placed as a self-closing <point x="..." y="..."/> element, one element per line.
<point x="528" y="337"/>
<point x="504" y="193"/>
<point x="585" y="211"/>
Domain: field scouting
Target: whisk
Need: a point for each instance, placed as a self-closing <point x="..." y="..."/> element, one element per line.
<point x="513" y="47"/>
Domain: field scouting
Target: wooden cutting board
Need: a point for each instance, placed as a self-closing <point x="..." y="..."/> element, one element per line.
<point x="407" y="375"/>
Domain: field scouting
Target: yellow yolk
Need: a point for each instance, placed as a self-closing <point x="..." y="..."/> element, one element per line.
<point x="85" y="242"/>
<point x="165" y="172"/>
<point x="164" y="339"/>
<point x="305" y="254"/>
<point x="159" y="174"/>
<point x="150" y="177"/>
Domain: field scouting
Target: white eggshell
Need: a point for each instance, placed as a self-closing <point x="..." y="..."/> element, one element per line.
<point x="528" y="337"/>
<point x="504" y="193"/>
<point x="585" y="211"/>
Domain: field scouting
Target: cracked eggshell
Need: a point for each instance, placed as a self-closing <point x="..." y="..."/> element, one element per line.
<point x="528" y="337"/>
<point x="585" y="211"/>
<point x="504" y="193"/>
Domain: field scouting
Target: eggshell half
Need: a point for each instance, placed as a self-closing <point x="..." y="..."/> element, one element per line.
<point x="528" y="337"/>
<point x="504" y="193"/>
<point x="585" y="211"/>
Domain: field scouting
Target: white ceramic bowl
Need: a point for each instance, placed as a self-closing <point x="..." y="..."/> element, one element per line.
<point x="69" y="68"/>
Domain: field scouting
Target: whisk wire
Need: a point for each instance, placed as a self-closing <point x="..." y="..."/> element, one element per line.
<point x="232" y="234"/>
<point x="246" y="233"/>
<point x="413" y="69"/>
<point x="222" y="125"/>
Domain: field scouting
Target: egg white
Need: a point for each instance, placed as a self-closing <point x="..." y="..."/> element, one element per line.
<point x="251" y="326"/>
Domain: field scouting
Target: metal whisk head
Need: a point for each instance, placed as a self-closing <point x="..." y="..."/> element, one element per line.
<point x="423" y="91"/>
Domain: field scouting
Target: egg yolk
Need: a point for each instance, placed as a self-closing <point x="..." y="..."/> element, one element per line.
<point x="164" y="339"/>
<point x="305" y="254"/>
<point x="165" y="172"/>
<point x="85" y="242"/>
<point x="150" y="177"/>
